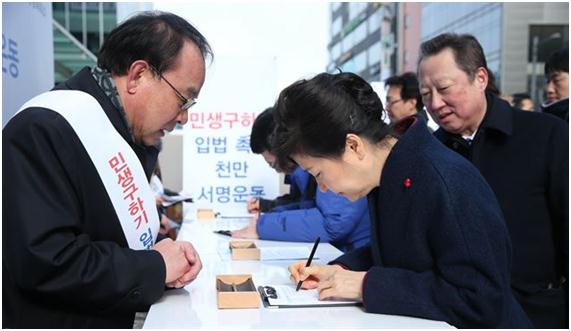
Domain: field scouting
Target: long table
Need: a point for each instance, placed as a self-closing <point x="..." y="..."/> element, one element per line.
<point x="195" y="305"/>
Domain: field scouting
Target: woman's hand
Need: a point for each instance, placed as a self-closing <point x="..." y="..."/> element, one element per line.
<point x="342" y="284"/>
<point x="311" y="276"/>
<point x="331" y="281"/>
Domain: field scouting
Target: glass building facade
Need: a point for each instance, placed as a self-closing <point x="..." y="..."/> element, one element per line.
<point x="362" y="39"/>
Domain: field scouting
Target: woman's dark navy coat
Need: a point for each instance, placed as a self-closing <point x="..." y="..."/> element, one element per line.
<point x="439" y="246"/>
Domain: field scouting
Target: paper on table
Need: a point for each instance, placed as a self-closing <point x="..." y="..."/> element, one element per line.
<point x="172" y="199"/>
<point x="270" y="253"/>
<point x="285" y="295"/>
<point x="235" y="216"/>
<point x="229" y="224"/>
<point x="284" y="253"/>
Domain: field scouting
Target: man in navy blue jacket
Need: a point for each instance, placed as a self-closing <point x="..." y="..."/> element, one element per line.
<point x="327" y="215"/>
<point x="522" y="155"/>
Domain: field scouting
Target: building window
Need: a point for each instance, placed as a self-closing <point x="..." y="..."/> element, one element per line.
<point x="347" y="43"/>
<point x="374" y="22"/>
<point x="360" y="62"/>
<point x="348" y="66"/>
<point x="355" y="8"/>
<point x="359" y="34"/>
<point x="336" y="26"/>
<point x="550" y="38"/>
<point x="335" y="6"/>
<point x="374" y="52"/>
<point x="336" y="51"/>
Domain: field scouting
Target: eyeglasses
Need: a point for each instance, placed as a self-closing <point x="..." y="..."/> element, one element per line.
<point x="186" y="103"/>
<point x="390" y="103"/>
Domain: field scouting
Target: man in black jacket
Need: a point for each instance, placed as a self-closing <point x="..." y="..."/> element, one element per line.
<point x="68" y="258"/>
<point x="557" y="89"/>
<point x="523" y="156"/>
<point x="403" y="97"/>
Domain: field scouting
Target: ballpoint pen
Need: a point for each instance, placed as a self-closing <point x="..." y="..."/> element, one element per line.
<point x="309" y="260"/>
<point x="224" y="232"/>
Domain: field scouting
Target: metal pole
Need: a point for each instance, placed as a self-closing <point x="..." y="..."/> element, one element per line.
<point x="84" y="24"/>
<point x="533" y="68"/>
<point x="66" y="11"/>
<point x="101" y="29"/>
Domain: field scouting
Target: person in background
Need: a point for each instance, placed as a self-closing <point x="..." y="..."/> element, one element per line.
<point x="507" y="98"/>
<point x="323" y="214"/>
<point x="302" y="185"/>
<point x="73" y="256"/>
<point x="557" y="89"/>
<point x="522" y="101"/>
<point x="439" y="247"/>
<point x="522" y="155"/>
<point x="403" y="97"/>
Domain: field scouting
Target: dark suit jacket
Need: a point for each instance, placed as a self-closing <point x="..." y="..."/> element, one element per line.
<point x="524" y="157"/>
<point x="558" y="108"/>
<point x="439" y="248"/>
<point x="65" y="260"/>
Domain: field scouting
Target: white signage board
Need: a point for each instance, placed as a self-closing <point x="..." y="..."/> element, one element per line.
<point x="27" y="53"/>
<point x="219" y="169"/>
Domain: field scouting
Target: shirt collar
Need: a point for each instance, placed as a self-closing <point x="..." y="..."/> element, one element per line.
<point x="470" y="137"/>
<point x="106" y="83"/>
<point x="547" y="104"/>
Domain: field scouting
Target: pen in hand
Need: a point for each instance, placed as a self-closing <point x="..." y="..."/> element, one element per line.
<point x="309" y="261"/>
<point x="224" y="232"/>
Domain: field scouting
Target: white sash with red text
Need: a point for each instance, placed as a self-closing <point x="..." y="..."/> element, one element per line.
<point x="117" y="164"/>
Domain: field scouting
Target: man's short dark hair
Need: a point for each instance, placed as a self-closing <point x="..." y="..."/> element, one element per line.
<point x="408" y="84"/>
<point x="467" y="51"/>
<point x="557" y="61"/>
<point x="517" y="99"/>
<point x="261" y="131"/>
<point x="154" y="36"/>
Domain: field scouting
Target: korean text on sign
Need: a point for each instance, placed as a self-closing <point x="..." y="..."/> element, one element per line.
<point x="219" y="120"/>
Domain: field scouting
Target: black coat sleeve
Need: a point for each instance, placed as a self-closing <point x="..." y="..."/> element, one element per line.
<point x="558" y="190"/>
<point x="358" y="259"/>
<point x="47" y="251"/>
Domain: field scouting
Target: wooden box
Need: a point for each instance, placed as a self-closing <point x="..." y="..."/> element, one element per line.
<point x="244" y="250"/>
<point x="236" y="291"/>
<point x="174" y="212"/>
<point x="203" y="213"/>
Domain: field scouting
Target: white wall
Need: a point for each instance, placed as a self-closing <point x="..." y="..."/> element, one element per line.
<point x="170" y="161"/>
